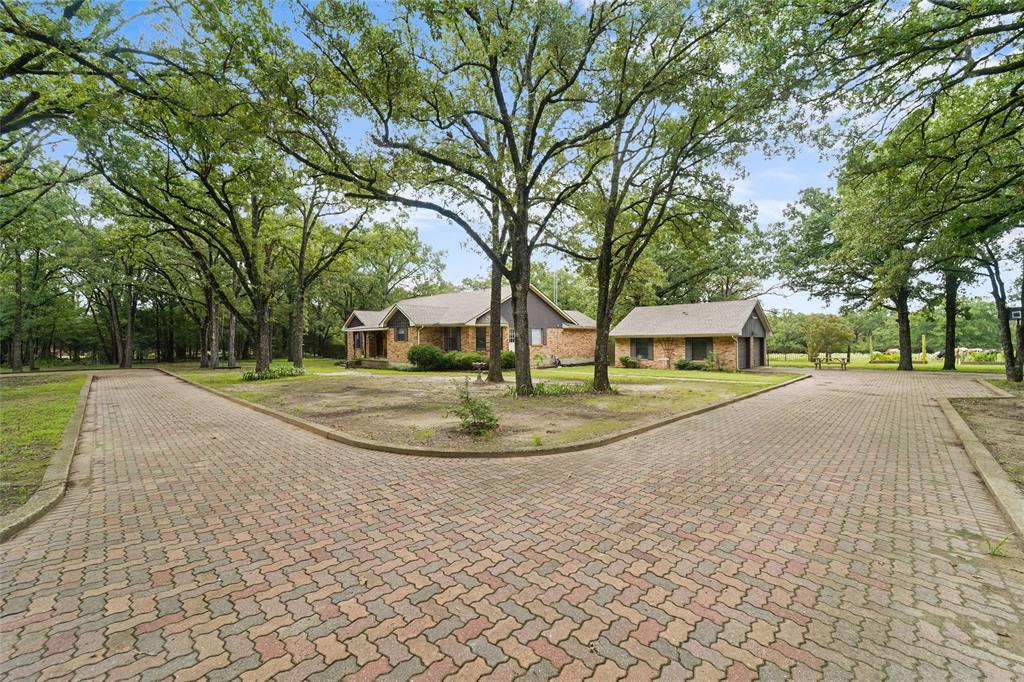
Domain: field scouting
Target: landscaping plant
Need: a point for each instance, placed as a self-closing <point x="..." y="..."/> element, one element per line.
<point x="628" y="361"/>
<point x="273" y="372"/>
<point x="683" y="363"/>
<point x="477" y="415"/>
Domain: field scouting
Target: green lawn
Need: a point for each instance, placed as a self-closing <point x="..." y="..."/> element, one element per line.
<point x="34" y="411"/>
<point x="860" y="361"/>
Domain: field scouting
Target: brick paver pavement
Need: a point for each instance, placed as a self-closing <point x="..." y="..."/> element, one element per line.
<point x="832" y="528"/>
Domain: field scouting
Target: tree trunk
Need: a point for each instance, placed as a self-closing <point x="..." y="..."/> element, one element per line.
<point x="19" y="315"/>
<point x="494" y="373"/>
<point x="213" y="344"/>
<point x="298" y="323"/>
<point x="232" y="358"/>
<point x="604" y="320"/>
<point x="951" y="283"/>
<point x="263" y="341"/>
<point x="903" y="319"/>
<point x="128" y="350"/>
<point x="116" y="342"/>
<point x="520" y="315"/>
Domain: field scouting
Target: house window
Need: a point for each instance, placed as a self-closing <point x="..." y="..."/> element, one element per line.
<point x="401" y="333"/>
<point x="643" y="349"/>
<point x="536" y="337"/>
<point x="357" y="339"/>
<point x="451" y="338"/>
<point x="698" y="349"/>
<point x="481" y="338"/>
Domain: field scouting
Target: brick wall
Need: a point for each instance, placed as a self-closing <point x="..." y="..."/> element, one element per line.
<point x="725" y="347"/>
<point x="667" y="349"/>
<point x="575" y="345"/>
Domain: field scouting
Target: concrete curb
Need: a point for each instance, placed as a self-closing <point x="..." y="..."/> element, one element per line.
<point x="55" y="480"/>
<point x="1009" y="500"/>
<point x="477" y="454"/>
<point x="1000" y="393"/>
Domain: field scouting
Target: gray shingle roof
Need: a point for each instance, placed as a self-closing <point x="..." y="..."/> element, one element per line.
<point x="581" y="319"/>
<point x="687" y="319"/>
<point x="455" y="308"/>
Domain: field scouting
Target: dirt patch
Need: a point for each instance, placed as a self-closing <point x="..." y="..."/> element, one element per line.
<point x="999" y="424"/>
<point x="410" y="409"/>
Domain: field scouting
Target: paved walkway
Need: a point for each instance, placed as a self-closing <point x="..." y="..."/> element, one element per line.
<point x="831" y="529"/>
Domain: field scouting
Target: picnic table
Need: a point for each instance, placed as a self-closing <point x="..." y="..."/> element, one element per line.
<point x="828" y="360"/>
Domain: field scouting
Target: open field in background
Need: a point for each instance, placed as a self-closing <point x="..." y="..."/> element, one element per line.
<point x="34" y="411"/>
<point x="410" y="408"/>
<point x="860" y="361"/>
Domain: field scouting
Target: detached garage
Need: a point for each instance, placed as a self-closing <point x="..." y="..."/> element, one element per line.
<point x="659" y="336"/>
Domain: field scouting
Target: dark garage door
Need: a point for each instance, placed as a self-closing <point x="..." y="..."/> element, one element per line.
<point x="743" y="353"/>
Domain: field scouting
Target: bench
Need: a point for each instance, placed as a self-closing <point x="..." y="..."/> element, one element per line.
<point x="821" y="362"/>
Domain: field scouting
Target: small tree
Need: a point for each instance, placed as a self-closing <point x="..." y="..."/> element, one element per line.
<point x="827" y="333"/>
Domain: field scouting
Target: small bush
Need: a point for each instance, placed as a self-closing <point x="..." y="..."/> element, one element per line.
<point x="984" y="356"/>
<point x="630" y="362"/>
<point x="683" y="363"/>
<point x="462" y="361"/>
<point x="544" y="388"/>
<point x="884" y="358"/>
<point x="426" y="356"/>
<point x="508" y="359"/>
<point x="273" y="372"/>
<point x="477" y="415"/>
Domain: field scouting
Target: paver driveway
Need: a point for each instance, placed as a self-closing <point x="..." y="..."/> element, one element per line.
<point x="831" y="528"/>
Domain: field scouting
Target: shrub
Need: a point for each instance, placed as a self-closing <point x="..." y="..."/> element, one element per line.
<point x="426" y="356"/>
<point x="715" y="360"/>
<point x="628" y="361"/>
<point x="273" y="372"/>
<point x="462" y="361"/>
<point x="477" y="415"/>
<point x="508" y="359"/>
<point x="984" y="356"/>
<point x="683" y="363"/>
<point x="884" y="358"/>
<point x="544" y="388"/>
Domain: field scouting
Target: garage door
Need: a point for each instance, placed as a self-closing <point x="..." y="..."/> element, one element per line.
<point x="743" y="352"/>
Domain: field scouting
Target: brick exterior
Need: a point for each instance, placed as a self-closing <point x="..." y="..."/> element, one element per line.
<point x="668" y="349"/>
<point x="570" y="344"/>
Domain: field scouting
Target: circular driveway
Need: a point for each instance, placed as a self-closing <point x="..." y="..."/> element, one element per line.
<point x="832" y="528"/>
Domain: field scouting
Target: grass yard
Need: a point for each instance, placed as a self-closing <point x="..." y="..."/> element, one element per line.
<point x="410" y="408"/>
<point x="860" y="361"/>
<point x="999" y="423"/>
<point x="34" y="411"/>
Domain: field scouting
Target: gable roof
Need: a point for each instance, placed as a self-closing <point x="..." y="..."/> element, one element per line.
<point x="456" y="308"/>
<point x="581" y="319"/>
<point x="723" y="318"/>
<point x="364" y="319"/>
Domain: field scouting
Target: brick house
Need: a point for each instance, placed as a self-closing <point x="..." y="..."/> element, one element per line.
<point x="459" y="321"/>
<point x="658" y="336"/>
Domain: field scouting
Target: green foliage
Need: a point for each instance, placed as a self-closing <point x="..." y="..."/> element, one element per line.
<point x="629" y="361"/>
<point x="547" y="388"/>
<point x="426" y="356"/>
<point x="508" y="359"/>
<point x="273" y="372"/>
<point x="827" y="334"/>
<point x="884" y="358"/>
<point x="715" y="359"/>
<point x="683" y="363"/>
<point x="476" y="415"/>
<point x="985" y="356"/>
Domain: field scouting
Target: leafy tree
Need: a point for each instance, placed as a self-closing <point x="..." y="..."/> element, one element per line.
<point x="827" y="334"/>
